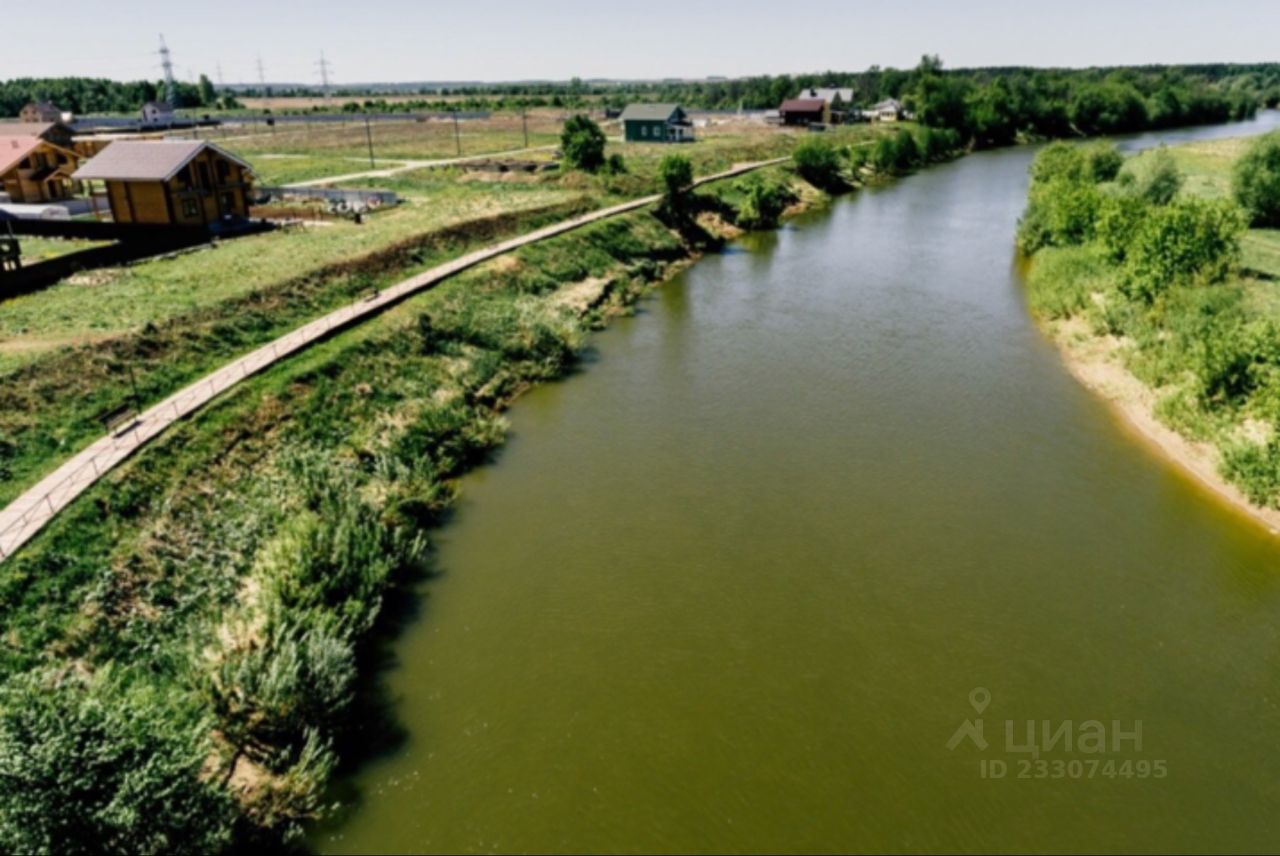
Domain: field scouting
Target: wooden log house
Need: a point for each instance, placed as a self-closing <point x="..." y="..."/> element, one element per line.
<point x="190" y="183"/>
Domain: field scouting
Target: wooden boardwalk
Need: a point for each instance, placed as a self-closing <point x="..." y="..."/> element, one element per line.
<point x="28" y="514"/>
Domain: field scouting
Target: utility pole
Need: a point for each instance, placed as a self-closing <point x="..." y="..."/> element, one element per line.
<point x="325" y="66"/>
<point x="457" y="136"/>
<point x="368" y="135"/>
<point x="166" y="62"/>
<point x="524" y="121"/>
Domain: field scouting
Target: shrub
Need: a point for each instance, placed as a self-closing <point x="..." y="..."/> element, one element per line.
<point x="1061" y="281"/>
<point x="1157" y="178"/>
<point x="1058" y="161"/>
<point x="906" y="151"/>
<point x="1256" y="468"/>
<point x="1190" y="240"/>
<point x="92" y="765"/>
<point x="1060" y="212"/>
<point x="615" y="165"/>
<point x="1119" y="218"/>
<point x="763" y="203"/>
<point x="271" y="693"/>
<point x="582" y="143"/>
<point x="1256" y="181"/>
<point x="938" y="143"/>
<point x="1102" y="161"/>
<point x="818" y="163"/>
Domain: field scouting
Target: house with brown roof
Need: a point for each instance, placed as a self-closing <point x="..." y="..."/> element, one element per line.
<point x="839" y="101"/>
<point x="171" y="182"/>
<point x="34" y="170"/>
<point x="804" y="111"/>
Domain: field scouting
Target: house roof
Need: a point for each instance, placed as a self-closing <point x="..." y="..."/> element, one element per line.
<point x="14" y="148"/>
<point x="159" y="105"/>
<point x="34" y="129"/>
<point x="828" y="95"/>
<point x="650" y="112"/>
<point x="146" y="160"/>
<point x="803" y="105"/>
<point x="888" y="104"/>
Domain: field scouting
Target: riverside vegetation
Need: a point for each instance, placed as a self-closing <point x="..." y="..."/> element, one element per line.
<point x="1170" y="260"/>
<point x="185" y="645"/>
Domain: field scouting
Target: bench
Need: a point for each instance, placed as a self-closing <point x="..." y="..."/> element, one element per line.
<point x="114" y="421"/>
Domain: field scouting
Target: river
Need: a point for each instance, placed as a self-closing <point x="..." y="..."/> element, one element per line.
<point x="826" y="499"/>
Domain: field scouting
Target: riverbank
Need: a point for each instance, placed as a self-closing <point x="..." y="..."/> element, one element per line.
<point x="240" y="564"/>
<point x="1097" y="363"/>
<point x="1163" y="304"/>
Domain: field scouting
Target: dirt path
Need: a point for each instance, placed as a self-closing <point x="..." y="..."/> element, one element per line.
<point x="29" y="513"/>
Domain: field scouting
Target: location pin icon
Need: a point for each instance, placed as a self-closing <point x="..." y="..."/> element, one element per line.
<point x="980" y="697"/>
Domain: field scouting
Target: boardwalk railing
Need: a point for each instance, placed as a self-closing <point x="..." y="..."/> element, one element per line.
<point x="31" y="511"/>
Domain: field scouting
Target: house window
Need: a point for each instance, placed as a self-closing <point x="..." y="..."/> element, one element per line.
<point x="223" y="169"/>
<point x="228" y="203"/>
<point x="189" y="208"/>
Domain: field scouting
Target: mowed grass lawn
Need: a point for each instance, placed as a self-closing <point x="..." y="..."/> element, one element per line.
<point x="121" y="300"/>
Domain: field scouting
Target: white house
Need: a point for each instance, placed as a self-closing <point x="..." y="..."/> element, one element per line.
<point x="157" y="113"/>
<point x="888" y="110"/>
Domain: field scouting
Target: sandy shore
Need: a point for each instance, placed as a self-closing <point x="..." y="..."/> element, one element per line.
<point x="1095" y="362"/>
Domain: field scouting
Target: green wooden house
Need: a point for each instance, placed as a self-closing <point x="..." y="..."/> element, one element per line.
<point x="656" y="123"/>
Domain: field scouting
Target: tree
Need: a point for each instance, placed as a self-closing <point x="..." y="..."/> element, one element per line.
<point x="1256" y="181"/>
<point x="582" y="143"/>
<point x="208" y="95"/>
<point x="676" y="175"/>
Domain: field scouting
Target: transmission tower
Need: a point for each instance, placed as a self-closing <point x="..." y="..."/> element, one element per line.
<point x="325" y="68"/>
<point x="166" y="62"/>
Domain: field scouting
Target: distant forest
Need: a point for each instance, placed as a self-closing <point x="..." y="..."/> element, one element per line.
<point x="987" y="106"/>
<point x="95" y="95"/>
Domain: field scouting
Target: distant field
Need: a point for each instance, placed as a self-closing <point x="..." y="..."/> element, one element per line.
<point x="336" y="103"/>
<point x="404" y="140"/>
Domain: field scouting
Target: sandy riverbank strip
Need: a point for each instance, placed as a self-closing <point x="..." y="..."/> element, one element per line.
<point x="1096" y="362"/>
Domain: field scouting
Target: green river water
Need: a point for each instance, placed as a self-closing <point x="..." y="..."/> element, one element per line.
<point x="732" y="585"/>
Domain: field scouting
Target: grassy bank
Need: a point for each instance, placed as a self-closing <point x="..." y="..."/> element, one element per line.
<point x="1164" y="300"/>
<point x="187" y="636"/>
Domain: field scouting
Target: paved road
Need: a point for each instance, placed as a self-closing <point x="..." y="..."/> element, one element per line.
<point x="29" y="513"/>
<point x="407" y="166"/>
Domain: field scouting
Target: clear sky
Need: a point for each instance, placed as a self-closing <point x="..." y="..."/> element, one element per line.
<point x="401" y="40"/>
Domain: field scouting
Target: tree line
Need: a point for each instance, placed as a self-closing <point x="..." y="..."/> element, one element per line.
<point x="88" y="95"/>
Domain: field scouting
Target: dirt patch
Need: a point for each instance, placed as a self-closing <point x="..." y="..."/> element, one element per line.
<point x="581" y="297"/>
